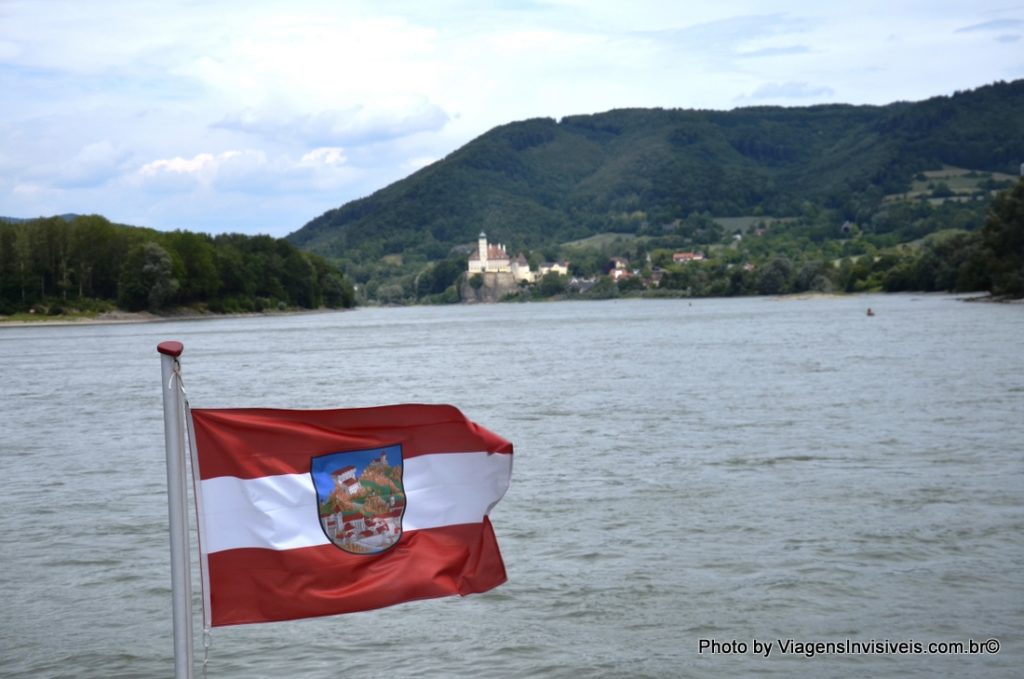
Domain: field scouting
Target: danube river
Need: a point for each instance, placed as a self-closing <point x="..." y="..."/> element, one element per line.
<point x="695" y="484"/>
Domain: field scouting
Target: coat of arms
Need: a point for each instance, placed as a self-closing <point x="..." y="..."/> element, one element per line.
<point x="360" y="498"/>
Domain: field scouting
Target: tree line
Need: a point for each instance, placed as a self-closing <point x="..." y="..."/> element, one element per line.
<point x="979" y="251"/>
<point x="87" y="263"/>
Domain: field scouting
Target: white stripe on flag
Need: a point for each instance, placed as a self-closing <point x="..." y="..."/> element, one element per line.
<point x="280" y="512"/>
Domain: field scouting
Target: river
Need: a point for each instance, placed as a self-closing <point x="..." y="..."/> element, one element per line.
<point x="691" y="477"/>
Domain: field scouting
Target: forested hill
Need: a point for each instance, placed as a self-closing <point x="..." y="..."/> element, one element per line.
<point x="538" y="183"/>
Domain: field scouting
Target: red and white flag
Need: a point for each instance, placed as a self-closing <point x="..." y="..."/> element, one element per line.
<point x="320" y="512"/>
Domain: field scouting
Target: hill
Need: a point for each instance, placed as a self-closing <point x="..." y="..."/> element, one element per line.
<point x="537" y="184"/>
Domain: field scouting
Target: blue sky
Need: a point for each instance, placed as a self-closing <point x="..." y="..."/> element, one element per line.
<point x="256" y="117"/>
<point x="323" y="466"/>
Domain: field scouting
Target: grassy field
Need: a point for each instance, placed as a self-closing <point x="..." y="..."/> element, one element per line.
<point x="747" y="223"/>
<point x="964" y="184"/>
<point x="600" y="240"/>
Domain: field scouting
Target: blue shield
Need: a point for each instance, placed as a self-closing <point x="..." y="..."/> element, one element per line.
<point x="360" y="498"/>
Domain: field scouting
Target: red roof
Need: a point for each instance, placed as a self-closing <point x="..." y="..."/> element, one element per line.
<point x="493" y="252"/>
<point x="343" y="470"/>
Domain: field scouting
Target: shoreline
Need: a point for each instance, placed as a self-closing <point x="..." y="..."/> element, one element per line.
<point x="130" y="317"/>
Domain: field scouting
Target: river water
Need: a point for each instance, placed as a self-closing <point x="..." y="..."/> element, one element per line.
<point x="687" y="475"/>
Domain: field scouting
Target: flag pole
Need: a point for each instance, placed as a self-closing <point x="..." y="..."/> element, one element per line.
<point x="181" y="586"/>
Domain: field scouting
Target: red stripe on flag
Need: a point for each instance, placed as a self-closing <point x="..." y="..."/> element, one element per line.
<point x="262" y="585"/>
<point x="253" y="442"/>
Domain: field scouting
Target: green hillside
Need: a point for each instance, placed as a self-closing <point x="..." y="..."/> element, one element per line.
<point x="659" y="174"/>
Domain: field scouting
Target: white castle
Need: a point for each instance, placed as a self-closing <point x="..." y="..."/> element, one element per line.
<point x="494" y="259"/>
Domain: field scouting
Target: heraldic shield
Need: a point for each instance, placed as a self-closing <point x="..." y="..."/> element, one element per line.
<point x="360" y="498"/>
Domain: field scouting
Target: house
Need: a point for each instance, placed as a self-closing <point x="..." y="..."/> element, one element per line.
<point x="682" y="257"/>
<point x="521" y="270"/>
<point x="560" y="268"/>
<point x="619" y="274"/>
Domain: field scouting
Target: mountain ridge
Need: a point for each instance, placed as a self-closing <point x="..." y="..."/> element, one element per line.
<point x="538" y="182"/>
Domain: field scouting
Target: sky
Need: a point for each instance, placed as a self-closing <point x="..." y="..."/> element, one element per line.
<point x="256" y="117"/>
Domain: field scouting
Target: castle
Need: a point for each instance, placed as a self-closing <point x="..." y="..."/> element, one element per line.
<point x="494" y="259"/>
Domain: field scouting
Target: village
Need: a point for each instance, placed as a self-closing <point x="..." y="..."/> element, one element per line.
<point x="497" y="269"/>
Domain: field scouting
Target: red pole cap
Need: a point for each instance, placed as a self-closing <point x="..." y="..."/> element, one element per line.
<point x="171" y="348"/>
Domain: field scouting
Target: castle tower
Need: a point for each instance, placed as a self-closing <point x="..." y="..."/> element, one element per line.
<point x="482" y="248"/>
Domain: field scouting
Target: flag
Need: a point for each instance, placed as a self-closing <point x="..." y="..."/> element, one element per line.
<point x="320" y="512"/>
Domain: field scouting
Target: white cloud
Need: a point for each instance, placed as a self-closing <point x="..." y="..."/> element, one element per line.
<point x="993" y="25"/>
<point x="791" y="90"/>
<point x="775" y="51"/>
<point x="93" y="165"/>
<point x="383" y="120"/>
<point x="247" y="171"/>
<point x="227" y="170"/>
<point x="325" y="155"/>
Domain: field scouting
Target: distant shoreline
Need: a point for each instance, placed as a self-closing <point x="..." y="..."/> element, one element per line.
<point x="127" y="317"/>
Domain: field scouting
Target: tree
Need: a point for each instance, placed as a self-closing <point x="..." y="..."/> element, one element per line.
<point x="199" y="277"/>
<point x="1003" y="238"/>
<point x="146" y="279"/>
<point x="551" y="284"/>
<point x="774" y="278"/>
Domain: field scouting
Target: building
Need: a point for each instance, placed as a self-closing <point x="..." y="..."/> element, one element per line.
<point x="489" y="258"/>
<point x="494" y="259"/>
<point x="521" y="269"/>
<point x="560" y="268"/>
<point x="345" y="480"/>
<point x="619" y="269"/>
<point x="682" y="257"/>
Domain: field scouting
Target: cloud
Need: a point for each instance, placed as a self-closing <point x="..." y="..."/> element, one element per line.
<point x="791" y="90"/>
<point x="775" y="51"/>
<point x="994" y="25"/>
<point x="325" y="155"/>
<point x="357" y="126"/>
<point x="247" y="171"/>
<point x="94" y="165"/>
<point x="1008" y="38"/>
<point x="9" y="50"/>
<point x="728" y="36"/>
<point x="225" y="171"/>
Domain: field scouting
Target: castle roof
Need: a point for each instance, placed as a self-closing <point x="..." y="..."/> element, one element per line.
<point x="493" y="252"/>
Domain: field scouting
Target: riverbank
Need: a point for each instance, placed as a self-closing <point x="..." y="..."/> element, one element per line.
<point x="124" y="317"/>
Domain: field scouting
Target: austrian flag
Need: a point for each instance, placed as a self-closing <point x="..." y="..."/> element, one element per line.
<point x="320" y="512"/>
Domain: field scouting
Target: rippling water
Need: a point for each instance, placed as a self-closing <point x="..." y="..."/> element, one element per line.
<point x="722" y="469"/>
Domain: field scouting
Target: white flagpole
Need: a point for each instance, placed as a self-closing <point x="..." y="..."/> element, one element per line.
<point x="181" y="586"/>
